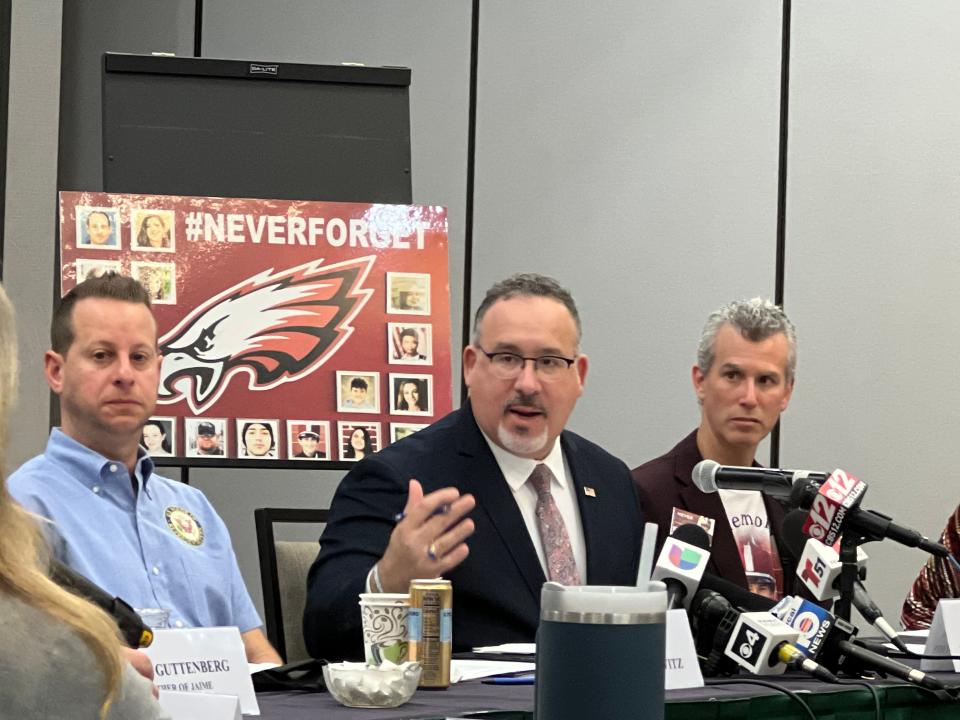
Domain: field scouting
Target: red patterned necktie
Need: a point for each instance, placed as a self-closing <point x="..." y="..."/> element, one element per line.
<point x="561" y="567"/>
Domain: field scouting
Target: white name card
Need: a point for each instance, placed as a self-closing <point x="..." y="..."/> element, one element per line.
<point x="199" y="706"/>
<point x="203" y="660"/>
<point x="682" y="668"/>
<point x="944" y="637"/>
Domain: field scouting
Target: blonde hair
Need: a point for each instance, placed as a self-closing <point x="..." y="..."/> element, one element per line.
<point x="24" y="554"/>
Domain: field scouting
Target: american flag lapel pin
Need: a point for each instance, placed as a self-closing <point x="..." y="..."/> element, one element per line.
<point x="589" y="491"/>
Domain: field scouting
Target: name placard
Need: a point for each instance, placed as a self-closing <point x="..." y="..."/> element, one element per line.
<point x="203" y="660"/>
<point x="682" y="668"/>
<point x="944" y="637"/>
<point x="199" y="706"/>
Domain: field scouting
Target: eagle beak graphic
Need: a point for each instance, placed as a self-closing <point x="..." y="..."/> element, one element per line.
<point x="183" y="375"/>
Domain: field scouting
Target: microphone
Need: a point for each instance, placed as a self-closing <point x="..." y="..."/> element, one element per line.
<point x="713" y="612"/>
<point x="818" y="568"/>
<point x="711" y="617"/>
<point x="831" y="499"/>
<point x="736" y="595"/>
<point x="833" y="507"/>
<point x="763" y="645"/>
<point x="877" y="662"/>
<point x="829" y="639"/>
<point x="709" y="476"/>
<point x="681" y="563"/>
<point x="134" y="632"/>
<point x="756" y="641"/>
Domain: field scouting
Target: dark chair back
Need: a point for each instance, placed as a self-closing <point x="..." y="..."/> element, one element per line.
<point x="283" y="575"/>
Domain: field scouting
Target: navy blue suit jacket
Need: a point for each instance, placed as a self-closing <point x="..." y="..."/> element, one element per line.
<point x="496" y="590"/>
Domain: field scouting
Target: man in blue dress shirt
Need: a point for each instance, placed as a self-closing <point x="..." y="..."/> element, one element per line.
<point x="154" y="542"/>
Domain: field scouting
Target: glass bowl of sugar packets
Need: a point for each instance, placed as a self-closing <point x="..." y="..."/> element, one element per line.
<point x="359" y="685"/>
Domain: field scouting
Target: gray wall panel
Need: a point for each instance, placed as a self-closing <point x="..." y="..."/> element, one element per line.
<point x="631" y="153"/>
<point x="433" y="39"/>
<point x="91" y="29"/>
<point x="873" y="260"/>
<point x="31" y="210"/>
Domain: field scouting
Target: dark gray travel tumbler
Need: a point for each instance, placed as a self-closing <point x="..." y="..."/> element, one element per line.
<point x="600" y="652"/>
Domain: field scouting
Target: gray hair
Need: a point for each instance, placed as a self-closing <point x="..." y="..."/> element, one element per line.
<point x="756" y="319"/>
<point x="526" y="285"/>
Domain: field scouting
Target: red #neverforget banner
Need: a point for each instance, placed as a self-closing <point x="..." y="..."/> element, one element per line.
<point x="288" y="329"/>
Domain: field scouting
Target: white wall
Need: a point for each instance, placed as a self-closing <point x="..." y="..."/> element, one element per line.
<point x="632" y="154"/>
<point x="873" y="260"/>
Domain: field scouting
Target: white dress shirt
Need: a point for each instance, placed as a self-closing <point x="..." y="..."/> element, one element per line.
<point x="516" y="470"/>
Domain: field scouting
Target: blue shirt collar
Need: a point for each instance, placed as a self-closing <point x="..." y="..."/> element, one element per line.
<point x="90" y="467"/>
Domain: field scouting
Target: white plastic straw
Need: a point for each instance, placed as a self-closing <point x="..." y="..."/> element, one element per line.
<point x="646" y="554"/>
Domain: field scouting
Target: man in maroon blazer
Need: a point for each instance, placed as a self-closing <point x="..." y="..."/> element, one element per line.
<point x="743" y="380"/>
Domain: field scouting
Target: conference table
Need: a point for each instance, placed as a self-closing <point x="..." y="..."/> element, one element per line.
<point x="474" y="699"/>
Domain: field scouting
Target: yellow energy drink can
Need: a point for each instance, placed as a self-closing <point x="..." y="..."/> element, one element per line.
<point x="430" y="630"/>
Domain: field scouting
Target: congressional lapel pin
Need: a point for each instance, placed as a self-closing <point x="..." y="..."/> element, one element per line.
<point x="589" y="491"/>
<point x="184" y="525"/>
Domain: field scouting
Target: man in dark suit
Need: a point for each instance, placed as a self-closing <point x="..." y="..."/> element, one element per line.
<point x="743" y="380"/>
<point x="487" y="497"/>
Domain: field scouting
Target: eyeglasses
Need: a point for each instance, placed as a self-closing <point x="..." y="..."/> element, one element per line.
<point x="508" y="365"/>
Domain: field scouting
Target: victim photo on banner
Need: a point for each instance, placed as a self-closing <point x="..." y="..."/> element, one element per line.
<point x="289" y="330"/>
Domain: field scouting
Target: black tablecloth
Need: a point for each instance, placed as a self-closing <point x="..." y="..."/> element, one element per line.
<point x="900" y="702"/>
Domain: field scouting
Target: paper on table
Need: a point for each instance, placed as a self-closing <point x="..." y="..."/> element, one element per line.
<point x="472" y="669"/>
<point x="915" y="640"/>
<point x="509" y="648"/>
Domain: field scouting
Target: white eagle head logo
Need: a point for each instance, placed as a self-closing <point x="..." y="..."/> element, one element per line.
<point x="275" y="327"/>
